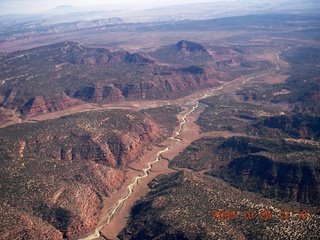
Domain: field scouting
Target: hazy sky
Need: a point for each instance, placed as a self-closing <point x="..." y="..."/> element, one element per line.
<point x="29" y="6"/>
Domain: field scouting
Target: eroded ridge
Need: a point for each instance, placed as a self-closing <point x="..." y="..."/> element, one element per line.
<point x="145" y="171"/>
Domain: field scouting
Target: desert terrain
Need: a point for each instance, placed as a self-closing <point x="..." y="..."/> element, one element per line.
<point x="117" y="129"/>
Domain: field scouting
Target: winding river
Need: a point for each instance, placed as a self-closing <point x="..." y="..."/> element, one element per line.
<point x="145" y="173"/>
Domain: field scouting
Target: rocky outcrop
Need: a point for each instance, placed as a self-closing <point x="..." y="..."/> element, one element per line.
<point x="285" y="181"/>
<point x="5" y="115"/>
<point x="69" y="72"/>
<point x="99" y="93"/>
<point x="50" y="103"/>
<point x="58" y="172"/>
<point x="275" y="168"/>
<point x="174" y="85"/>
<point x="77" y="54"/>
<point x="116" y="148"/>
<point x="298" y="126"/>
<point x="191" y="47"/>
<point x="234" y="63"/>
<point x="25" y="226"/>
<point x="138" y="58"/>
<point x="71" y="207"/>
<point x="185" y="205"/>
<point x="184" y="53"/>
<point x="309" y="99"/>
<point x="15" y="99"/>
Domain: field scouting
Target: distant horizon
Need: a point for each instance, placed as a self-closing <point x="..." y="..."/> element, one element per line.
<point x="31" y="7"/>
<point x="9" y="7"/>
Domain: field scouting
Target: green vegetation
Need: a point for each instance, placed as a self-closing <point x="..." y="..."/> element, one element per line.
<point x="226" y="114"/>
<point x="301" y="89"/>
<point x="256" y="118"/>
<point x="52" y="169"/>
<point x="275" y="168"/>
<point x="181" y="206"/>
<point x="165" y="117"/>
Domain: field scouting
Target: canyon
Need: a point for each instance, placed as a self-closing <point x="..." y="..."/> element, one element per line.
<point x="142" y="132"/>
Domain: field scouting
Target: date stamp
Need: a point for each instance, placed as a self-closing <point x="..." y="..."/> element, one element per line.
<point x="263" y="214"/>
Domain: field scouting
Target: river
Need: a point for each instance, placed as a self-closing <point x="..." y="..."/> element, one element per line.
<point x="145" y="171"/>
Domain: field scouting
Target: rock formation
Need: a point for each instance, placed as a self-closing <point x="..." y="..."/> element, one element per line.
<point x="57" y="173"/>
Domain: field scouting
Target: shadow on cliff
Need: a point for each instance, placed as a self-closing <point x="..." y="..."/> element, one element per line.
<point x="55" y="215"/>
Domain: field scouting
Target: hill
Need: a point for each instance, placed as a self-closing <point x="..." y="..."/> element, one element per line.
<point x="56" y="174"/>
<point x="184" y="52"/>
<point x="65" y="74"/>
<point x="185" y="205"/>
